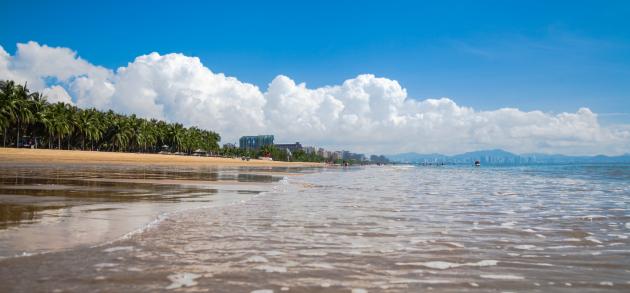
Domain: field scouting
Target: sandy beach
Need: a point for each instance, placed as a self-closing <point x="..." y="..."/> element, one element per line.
<point x="92" y="157"/>
<point x="54" y="200"/>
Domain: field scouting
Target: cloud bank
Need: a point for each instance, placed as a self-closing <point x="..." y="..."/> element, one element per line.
<point x="366" y="113"/>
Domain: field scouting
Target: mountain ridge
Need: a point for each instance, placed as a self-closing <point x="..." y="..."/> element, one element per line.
<point x="499" y="156"/>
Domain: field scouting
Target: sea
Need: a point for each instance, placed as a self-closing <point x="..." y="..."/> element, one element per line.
<point x="393" y="228"/>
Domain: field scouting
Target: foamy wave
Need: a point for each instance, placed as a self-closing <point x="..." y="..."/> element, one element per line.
<point x="502" y="277"/>
<point x="443" y="265"/>
<point x="166" y="215"/>
<point x="180" y="280"/>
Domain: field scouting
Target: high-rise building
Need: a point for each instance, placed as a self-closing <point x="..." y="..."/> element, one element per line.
<point x="323" y="153"/>
<point x="255" y="142"/>
<point x="310" y="150"/>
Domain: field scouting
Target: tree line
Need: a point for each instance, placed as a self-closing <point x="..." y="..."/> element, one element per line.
<point x="27" y="119"/>
<point x="273" y="152"/>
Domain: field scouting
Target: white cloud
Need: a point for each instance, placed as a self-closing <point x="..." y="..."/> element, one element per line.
<point x="56" y="94"/>
<point x="365" y="113"/>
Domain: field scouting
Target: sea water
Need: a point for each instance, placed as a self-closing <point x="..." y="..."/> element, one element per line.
<point x="373" y="229"/>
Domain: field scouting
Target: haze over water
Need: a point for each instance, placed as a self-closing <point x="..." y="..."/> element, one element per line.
<point x="379" y="229"/>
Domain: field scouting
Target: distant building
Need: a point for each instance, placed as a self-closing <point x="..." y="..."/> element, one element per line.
<point x="229" y="146"/>
<point x="310" y="150"/>
<point x="346" y="155"/>
<point x="292" y="147"/>
<point x="323" y="153"/>
<point x="255" y="142"/>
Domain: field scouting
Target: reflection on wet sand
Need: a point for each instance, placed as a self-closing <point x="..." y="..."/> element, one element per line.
<point x="52" y="207"/>
<point x="14" y="214"/>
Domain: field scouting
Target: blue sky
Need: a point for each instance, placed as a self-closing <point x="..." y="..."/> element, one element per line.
<point x="546" y="58"/>
<point x="549" y="55"/>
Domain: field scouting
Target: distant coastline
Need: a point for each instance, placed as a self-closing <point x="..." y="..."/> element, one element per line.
<point x="501" y="157"/>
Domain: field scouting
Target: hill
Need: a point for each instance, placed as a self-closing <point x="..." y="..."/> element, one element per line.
<point x="502" y="157"/>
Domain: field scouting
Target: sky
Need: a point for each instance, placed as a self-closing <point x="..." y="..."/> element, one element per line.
<point x="370" y="76"/>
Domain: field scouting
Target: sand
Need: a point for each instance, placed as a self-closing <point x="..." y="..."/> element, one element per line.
<point x="12" y="155"/>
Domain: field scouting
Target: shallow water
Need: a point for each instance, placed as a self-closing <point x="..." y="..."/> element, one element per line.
<point x="47" y="208"/>
<point x="379" y="229"/>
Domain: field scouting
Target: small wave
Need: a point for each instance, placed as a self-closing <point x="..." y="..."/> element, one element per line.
<point x="454" y="244"/>
<point x="165" y="215"/>
<point x="272" y="269"/>
<point x="105" y="265"/>
<point x="429" y="281"/>
<point x="180" y="280"/>
<point x="502" y="277"/>
<point x="312" y="253"/>
<point x="118" y="248"/>
<point x="609" y="284"/>
<point x="593" y="239"/>
<point x="443" y="265"/>
<point x="527" y="247"/>
<point x="256" y="259"/>
<point x="321" y="266"/>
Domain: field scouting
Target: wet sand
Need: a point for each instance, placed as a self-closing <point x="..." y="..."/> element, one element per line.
<point x="12" y="155"/>
<point x="60" y="206"/>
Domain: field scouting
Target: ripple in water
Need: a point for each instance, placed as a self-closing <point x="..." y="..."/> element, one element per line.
<point x="392" y="229"/>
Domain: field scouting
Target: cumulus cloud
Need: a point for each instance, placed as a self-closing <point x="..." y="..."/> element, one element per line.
<point x="56" y="94"/>
<point x="365" y="113"/>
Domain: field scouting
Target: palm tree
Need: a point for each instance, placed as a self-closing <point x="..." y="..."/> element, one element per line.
<point x="61" y="123"/>
<point x="37" y="106"/>
<point x="94" y="130"/>
<point x="162" y="133"/>
<point x="134" y="125"/>
<point x="122" y="132"/>
<point x="81" y="122"/>
<point x="146" y="134"/>
<point x="5" y="121"/>
<point x="22" y="112"/>
<point x="7" y="107"/>
<point x="86" y="122"/>
<point x="177" y="133"/>
<point x="46" y="118"/>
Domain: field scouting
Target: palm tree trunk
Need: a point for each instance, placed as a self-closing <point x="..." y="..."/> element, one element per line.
<point x="4" y="138"/>
<point x="59" y="141"/>
<point x="17" y="141"/>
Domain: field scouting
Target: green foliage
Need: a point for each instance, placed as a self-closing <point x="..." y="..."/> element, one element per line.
<point x="28" y="118"/>
<point x="302" y="156"/>
<point x="379" y="159"/>
<point x="275" y="153"/>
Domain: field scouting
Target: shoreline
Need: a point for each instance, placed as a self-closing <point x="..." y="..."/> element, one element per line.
<point x="94" y="211"/>
<point x="48" y="156"/>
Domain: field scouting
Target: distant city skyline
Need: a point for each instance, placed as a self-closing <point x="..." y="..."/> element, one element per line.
<point x="373" y="77"/>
